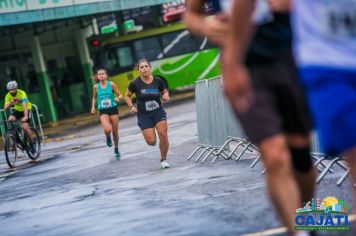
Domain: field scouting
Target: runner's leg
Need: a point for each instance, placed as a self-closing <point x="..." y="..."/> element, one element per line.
<point x="277" y="160"/>
<point x="305" y="173"/>
<point x="114" y="119"/>
<point x="350" y="156"/>
<point x="105" y="123"/>
<point x="162" y="131"/>
<point x="150" y="136"/>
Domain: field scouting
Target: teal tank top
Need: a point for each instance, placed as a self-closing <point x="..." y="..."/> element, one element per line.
<point x="105" y="97"/>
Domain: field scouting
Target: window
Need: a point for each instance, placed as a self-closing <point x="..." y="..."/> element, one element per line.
<point x="178" y="43"/>
<point x="118" y="59"/>
<point x="148" y="48"/>
<point x="125" y="56"/>
<point x="111" y="61"/>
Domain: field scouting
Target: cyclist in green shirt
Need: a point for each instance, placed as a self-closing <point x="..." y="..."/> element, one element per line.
<point x="22" y="106"/>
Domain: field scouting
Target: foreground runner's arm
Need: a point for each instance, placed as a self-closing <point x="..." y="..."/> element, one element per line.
<point x="215" y="27"/>
<point x="128" y="101"/>
<point x="236" y="78"/>
<point x="280" y="5"/>
<point x="93" y="101"/>
<point x="116" y="91"/>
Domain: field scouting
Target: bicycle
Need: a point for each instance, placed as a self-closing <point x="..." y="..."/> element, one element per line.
<point x="16" y="139"/>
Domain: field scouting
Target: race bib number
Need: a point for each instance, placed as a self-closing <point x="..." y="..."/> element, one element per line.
<point x="106" y="103"/>
<point x="151" y="105"/>
<point x="339" y="19"/>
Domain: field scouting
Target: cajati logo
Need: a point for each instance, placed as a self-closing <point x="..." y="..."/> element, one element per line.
<point x="328" y="214"/>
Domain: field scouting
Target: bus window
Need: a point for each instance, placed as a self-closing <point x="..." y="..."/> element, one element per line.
<point x="148" y="48"/>
<point x="111" y="60"/>
<point x="118" y="59"/>
<point x="178" y="43"/>
<point x="125" y="56"/>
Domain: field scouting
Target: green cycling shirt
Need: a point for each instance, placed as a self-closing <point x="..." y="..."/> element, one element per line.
<point x="19" y="98"/>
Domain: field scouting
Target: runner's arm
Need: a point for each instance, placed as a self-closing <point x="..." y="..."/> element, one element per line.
<point x="116" y="91"/>
<point x="194" y="16"/>
<point x="128" y="101"/>
<point x="236" y="79"/>
<point x="240" y="31"/>
<point x="214" y="27"/>
<point x="93" y="101"/>
<point x="164" y="91"/>
<point x="280" y="5"/>
<point x="128" y="98"/>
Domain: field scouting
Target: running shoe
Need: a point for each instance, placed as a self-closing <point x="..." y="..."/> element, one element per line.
<point x="117" y="154"/>
<point x="108" y="141"/>
<point x="164" y="164"/>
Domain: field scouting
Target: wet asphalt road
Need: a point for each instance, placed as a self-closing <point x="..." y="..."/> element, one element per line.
<point x="78" y="188"/>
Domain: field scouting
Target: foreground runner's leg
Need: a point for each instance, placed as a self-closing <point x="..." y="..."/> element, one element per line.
<point x="277" y="160"/>
<point x="304" y="171"/>
<point x="105" y="123"/>
<point x="350" y="156"/>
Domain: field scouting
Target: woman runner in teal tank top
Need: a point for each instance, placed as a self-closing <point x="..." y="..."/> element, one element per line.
<point x="104" y="92"/>
<point x="105" y="97"/>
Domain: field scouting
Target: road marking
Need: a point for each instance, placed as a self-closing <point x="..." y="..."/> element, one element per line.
<point x="281" y="230"/>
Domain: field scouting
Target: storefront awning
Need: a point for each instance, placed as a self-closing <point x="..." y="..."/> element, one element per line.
<point x="14" y="12"/>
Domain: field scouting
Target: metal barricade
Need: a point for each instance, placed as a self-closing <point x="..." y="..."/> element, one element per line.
<point x="324" y="163"/>
<point x="35" y="120"/>
<point x="218" y="128"/>
<point x="215" y="118"/>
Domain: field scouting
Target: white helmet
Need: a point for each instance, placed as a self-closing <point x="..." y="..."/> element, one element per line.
<point x="12" y="85"/>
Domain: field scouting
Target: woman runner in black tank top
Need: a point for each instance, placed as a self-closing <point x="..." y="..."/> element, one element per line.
<point x="150" y="114"/>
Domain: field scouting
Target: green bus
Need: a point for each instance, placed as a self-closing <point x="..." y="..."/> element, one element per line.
<point x="176" y="56"/>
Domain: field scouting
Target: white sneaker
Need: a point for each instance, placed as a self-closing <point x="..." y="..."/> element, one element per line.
<point x="164" y="164"/>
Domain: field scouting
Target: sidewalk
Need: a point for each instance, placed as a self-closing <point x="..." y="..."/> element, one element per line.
<point x="68" y="128"/>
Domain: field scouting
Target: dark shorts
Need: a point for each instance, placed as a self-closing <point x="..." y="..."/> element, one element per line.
<point x="109" y="111"/>
<point x="332" y="100"/>
<point x="148" y="120"/>
<point x="20" y="114"/>
<point x="280" y="106"/>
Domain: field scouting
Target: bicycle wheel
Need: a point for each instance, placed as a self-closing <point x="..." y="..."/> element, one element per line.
<point x="11" y="149"/>
<point x="33" y="148"/>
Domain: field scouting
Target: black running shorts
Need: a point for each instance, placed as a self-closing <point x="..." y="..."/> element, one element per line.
<point x="20" y="114"/>
<point x="279" y="106"/>
<point x="109" y="111"/>
<point x="148" y="120"/>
